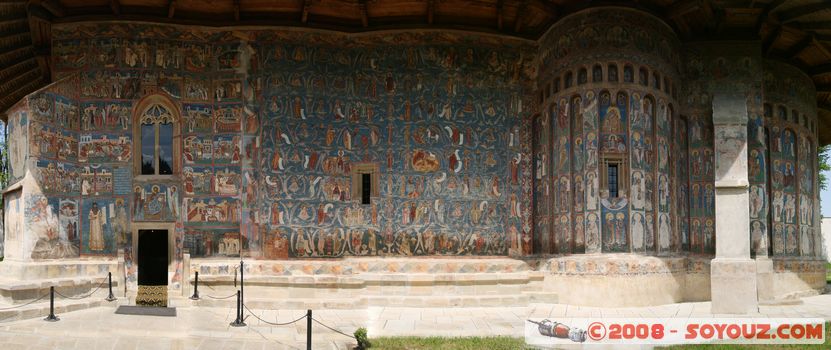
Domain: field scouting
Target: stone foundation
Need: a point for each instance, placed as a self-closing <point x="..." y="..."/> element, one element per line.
<point x="624" y="280"/>
<point x="619" y="280"/>
<point x="607" y="280"/>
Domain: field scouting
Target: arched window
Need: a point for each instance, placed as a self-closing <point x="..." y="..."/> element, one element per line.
<point x="656" y="81"/>
<point x="154" y="133"/>
<point x="782" y="113"/>
<point x="628" y="74"/>
<point x="612" y="72"/>
<point x="568" y="80"/>
<point x="582" y="76"/>
<point x="643" y="77"/>
<point x="156" y="125"/>
<point x="597" y="74"/>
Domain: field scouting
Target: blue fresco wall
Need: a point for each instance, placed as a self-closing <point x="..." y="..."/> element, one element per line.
<point x="270" y="125"/>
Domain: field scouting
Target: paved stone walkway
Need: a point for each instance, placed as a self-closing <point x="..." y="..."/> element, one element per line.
<point x="208" y="327"/>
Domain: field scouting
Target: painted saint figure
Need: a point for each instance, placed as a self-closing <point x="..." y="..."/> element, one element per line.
<point x="97" y="220"/>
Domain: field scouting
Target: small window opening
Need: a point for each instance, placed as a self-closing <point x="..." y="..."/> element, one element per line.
<point x="366" y="188"/>
<point x="612" y="178"/>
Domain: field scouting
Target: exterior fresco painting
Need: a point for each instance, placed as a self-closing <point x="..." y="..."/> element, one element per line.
<point x="268" y="130"/>
<point x="248" y="143"/>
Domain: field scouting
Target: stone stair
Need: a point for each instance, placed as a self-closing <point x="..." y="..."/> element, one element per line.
<point x="360" y="283"/>
<point x="40" y="309"/>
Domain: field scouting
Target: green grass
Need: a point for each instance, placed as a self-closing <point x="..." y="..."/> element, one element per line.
<point x="467" y="343"/>
<point x="828" y="272"/>
<point x="507" y="343"/>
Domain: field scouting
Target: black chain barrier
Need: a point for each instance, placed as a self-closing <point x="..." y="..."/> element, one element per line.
<point x="52" y="291"/>
<point x="273" y="323"/>
<point x="222" y="298"/>
<point x="26" y="304"/>
<point x="241" y="308"/>
<point x="332" y="329"/>
<point x="85" y="296"/>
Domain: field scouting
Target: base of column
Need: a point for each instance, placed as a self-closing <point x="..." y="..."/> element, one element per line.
<point x="764" y="279"/>
<point x="733" y="286"/>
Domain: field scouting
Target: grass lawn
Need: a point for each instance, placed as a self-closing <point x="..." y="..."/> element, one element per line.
<point x="468" y="343"/>
<point x="507" y="343"/>
<point x="828" y="272"/>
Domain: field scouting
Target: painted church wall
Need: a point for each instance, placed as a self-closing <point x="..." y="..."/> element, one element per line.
<point x="272" y="125"/>
<point x="609" y="108"/>
<point x="714" y="68"/>
<point x="54" y="183"/>
<point x="790" y="119"/>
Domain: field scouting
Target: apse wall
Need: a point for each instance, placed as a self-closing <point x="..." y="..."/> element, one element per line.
<point x="784" y="209"/>
<point x="604" y="170"/>
<point x="271" y="123"/>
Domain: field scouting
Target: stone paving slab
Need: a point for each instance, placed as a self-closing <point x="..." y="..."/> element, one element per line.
<point x="208" y="327"/>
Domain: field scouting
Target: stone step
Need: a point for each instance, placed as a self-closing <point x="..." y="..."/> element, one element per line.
<point x="286" y="303"/>
<point x="41" y="308"/>
<point x="376" y="300"/>
<point x="384" y="279"/>
<point x="541" y="297"/>
<point x="448" y="301"/>
<point x="22" y="291"/>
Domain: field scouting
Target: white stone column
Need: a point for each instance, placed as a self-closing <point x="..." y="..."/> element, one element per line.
<point x="732" y="272"/>
<point x="187" y="288"/>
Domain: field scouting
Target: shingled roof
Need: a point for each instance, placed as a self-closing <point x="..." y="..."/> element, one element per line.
<point x="794" y="31"/>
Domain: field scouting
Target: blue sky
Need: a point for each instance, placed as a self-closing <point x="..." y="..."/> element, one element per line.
<point x="825" y="198"/>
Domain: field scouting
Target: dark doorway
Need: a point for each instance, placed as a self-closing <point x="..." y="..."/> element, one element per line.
<point x="152" y="257"/>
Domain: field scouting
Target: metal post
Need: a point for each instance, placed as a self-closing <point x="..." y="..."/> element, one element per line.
<point x="52" y="317"/>
<point x="309" y="329"/>
<point x="239" y="321"/>
<point x="111" y="297"/>
<point x="241" y="286"/>
<point x="195" y="295"/>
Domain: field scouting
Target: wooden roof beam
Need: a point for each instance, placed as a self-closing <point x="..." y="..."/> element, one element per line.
<point x="304" y="17"/>
<point x="798" y="12"/>
<point x="821" y="25"/>
<point x="520" y="15"/>
<point x="363" y="13"/>
<point x="499" y="7"/>
<point x="821" y="69"/>
<point x="767" y="44"/>
<point x="824" y="50"/>
<point x="22" y="91"/>
<point x="115" y="5"/>
<point x="19" y="79"/>
<point x="824" y="88"/>
<point x="171" y="8"/>
<point x="800" y="46"/>
<point x="682" y="8"/>
<point x="431" y="7"/>
<point x="16" y="68"/>
<point x="766" y="13"/>
<point x="236" y="10"/>
<point x="53" y="6"/>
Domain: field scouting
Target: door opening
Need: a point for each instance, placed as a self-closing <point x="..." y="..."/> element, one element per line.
<point x="152" y="268"/>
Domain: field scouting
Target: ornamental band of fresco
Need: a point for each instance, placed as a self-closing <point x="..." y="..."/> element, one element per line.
<point x="598" y="138"/>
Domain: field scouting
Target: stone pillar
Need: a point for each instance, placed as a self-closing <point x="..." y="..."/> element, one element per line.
<point x="732" y="272"/>
<point x="121" y="273"/>
<point x="186" y="284"/>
